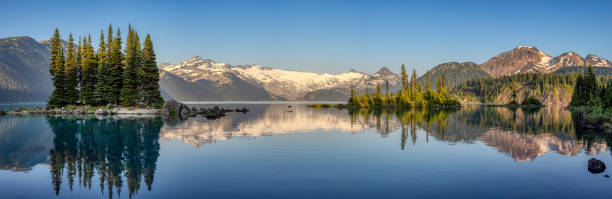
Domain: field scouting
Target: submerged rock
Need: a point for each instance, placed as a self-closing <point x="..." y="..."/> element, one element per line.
<point x="596" y="166"/>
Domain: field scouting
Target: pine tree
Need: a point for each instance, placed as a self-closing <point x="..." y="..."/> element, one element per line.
<point x="71" y="84"/>
<point x="128" y="91"/>
<point x="89" y="67"/>
<point x="116" y="70"/>
<point x="413" y="83"/>
<point x="427" y="81"/>
<point x="101" y="88"/>
<point x="56" y="69"/>
<point x="353" y="95"/>
<point x="150" y="77"/>
<point x="404" y="78"/>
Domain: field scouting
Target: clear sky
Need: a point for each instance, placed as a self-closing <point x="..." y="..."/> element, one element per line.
<point x="329" y="36"/>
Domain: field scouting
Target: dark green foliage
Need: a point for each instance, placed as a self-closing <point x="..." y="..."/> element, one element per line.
<point x="129" y="93"/>
<point x="71" y="84"/>
<point x="409" y="97"/>
<point x="89" y="68"/>
<point x="108" y="76"/>
<point x="514" y="103"/>
<point x="57" y="98"/>
<point x="101" y="87"/>
<point x="586" y="90"/>
<point x="116" y="70"/>
<point x="404" y="78"/>
<point x="530" y="101"/>
<point x="150" y="75"/>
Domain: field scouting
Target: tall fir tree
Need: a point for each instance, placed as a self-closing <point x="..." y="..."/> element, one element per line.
<point x="150" y="77"/>
<point x="71" y="84"/>
<point x="89" y="68"/>
<point x="404" y="78"/>
<point x="116" y="70"/>
<point x="101" y="87"/>
<point x="130" y="74"/>
<point x="56" y="69"/>
<point x="427" y="80"/>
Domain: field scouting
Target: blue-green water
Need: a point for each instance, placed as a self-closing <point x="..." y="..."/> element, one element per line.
<point x="277" y="151"/>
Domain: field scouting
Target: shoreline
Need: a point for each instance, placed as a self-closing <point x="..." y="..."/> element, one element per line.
<point x="82" y="110"/>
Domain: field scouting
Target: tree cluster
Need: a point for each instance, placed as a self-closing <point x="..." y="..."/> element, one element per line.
<point x="410" y="95"/>
<point x="589" y="93"/>
<point x="111" y="75"/>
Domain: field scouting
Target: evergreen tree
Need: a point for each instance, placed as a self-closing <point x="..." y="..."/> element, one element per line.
<point x="116" y="70"/>
<point x="129" y="89"/>
<point x="101" y="88"/>
<point x="56" y="69"/>
<point x="404" y="78"/>
<point x="150" y="75"/>
<point x="71" y="84"/>
<point x="440" y="85"/>
<point x="413" y="84"/>
<point x="89" y="67"/>
<point x="427" y="80"/>
<point x="353" y="95"/>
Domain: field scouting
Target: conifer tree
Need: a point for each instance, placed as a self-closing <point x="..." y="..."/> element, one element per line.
<point x="89" y="68"/>
<point x="116" y="70"/>
<point x="71" y="84"/>
<point x="413" y="83"/>
<point x="353" y="95"/>
<point x="56" y="69"/>
<point x="150" y="77"/>
<point x="404" y="78"/>
<point x="129" y="90"/>
<point x="427" y="81"/>
<point x="101" y="88"/>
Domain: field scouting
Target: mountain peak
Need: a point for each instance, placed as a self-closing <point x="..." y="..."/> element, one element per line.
<point x="594" y="60"/>
<point x="384" y="71"/>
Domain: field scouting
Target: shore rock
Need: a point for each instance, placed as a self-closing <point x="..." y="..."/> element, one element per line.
<point x="596" y="166"/>
<point x="174" y="108"/>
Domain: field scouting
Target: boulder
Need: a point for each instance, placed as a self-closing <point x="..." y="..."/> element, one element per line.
<point x="174" y="108"/>
<point x="596" y="166"/>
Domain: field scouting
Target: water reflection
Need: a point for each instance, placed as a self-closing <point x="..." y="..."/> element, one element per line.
<point x="116" y="154"/>
<point x="23" y="143"/>
<point x="111" y="149"/>
<point x="521" y="133"/>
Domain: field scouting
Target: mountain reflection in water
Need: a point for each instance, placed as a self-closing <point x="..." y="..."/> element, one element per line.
<point x="122" y="153"/>
<point x="522" y="133"/>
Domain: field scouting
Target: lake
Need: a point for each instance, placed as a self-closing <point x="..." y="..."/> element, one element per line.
<point x="291" y="151"/>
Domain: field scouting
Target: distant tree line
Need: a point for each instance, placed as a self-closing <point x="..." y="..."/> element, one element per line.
<point x="535" y="84"/>
<point x="411" y="94"/>
<point x="111" y="75"/>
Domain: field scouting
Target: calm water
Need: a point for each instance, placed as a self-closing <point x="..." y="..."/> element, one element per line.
<point x="298" y="152"/>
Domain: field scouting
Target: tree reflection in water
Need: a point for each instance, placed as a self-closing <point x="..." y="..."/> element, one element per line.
<point x="107" y="147"/>
<point x="522" y="133"/>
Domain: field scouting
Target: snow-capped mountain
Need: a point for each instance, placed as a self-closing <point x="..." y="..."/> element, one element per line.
<point x="221" y="80"/>
<point x="593" y="60"/>
<point x="524" y="59"/>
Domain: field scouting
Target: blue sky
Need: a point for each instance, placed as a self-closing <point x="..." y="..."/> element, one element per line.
<point x="330" y="36"/>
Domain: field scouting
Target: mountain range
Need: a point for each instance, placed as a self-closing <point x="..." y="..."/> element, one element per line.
<point x="24" y="70"/>
<point x="24" y="76"/>
<point x="197" y="79"/>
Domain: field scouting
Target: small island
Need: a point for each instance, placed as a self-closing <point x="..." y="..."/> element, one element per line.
<point x="410" y="96"/>
<point x="111" y="80"/>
